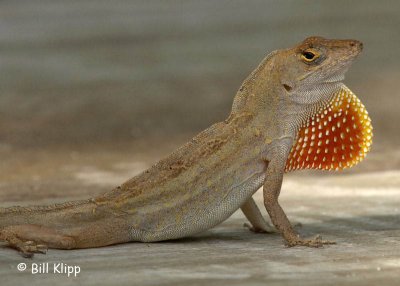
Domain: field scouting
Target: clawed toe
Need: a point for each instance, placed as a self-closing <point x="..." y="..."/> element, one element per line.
<point x="253" y="229"/>
<point x="32" y="247"/>
<point x="259" y="230"/>
<point x="314" y="242"/>
<point x="26" y="248"/>
<point x="29" y="248"/>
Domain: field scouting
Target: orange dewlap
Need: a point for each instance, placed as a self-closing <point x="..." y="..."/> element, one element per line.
<point x="338" y="137"/>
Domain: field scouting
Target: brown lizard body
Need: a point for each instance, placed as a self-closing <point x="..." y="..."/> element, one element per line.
<point x="217" y="172"/>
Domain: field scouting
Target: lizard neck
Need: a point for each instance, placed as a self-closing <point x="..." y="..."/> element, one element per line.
<point x="264" y="96"/>
<point x="277" y="111"/>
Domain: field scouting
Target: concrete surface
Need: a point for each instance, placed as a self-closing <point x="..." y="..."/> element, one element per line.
<point x="359" y="210"/>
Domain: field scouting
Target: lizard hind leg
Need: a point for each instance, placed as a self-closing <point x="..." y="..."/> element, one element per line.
<point x="257" y="222"/>
<point x="29" y="239"/>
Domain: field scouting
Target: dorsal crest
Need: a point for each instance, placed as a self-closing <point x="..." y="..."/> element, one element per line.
<point x="337" y="137"/>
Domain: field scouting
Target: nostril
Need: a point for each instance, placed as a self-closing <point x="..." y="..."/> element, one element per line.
<point x="356" y="44"/>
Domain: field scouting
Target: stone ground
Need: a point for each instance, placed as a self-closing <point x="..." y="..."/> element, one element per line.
<point x="359" y="210"/>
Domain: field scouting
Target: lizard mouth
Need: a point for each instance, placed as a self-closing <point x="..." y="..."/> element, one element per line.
<point x="338" y="136"/>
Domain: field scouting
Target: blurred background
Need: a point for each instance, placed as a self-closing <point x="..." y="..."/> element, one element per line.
<point x="79" y="72"/>
<point x="115" y="82"/>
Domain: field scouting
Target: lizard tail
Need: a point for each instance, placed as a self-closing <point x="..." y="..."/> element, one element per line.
<point x="76" y="224"/>
<point x="41" y="215"/>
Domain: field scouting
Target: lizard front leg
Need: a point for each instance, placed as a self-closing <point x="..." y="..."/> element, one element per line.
<point x="272" y="186"/>
<point x="257" y="221"/>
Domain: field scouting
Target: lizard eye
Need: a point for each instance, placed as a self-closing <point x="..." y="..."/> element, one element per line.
<point x="309" y="55"/>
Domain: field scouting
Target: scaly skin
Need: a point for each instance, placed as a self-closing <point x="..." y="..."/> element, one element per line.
<point x="210" y="177"/>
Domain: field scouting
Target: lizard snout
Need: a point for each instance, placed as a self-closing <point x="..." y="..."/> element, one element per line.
<point x="357" y="45"/>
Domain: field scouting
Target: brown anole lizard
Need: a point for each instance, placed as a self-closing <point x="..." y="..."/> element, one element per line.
<point x="292" y="112"/>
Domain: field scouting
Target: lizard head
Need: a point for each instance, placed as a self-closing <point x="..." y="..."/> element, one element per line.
<point x="334" y="130"/>
<point x="315" y="65"/>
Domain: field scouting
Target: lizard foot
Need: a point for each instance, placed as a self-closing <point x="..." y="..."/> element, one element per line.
<point x="27" y="248"/>
<point x="314" y="242"/>
<point x="266" y="229"/>
<point x="30" y="239"/>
